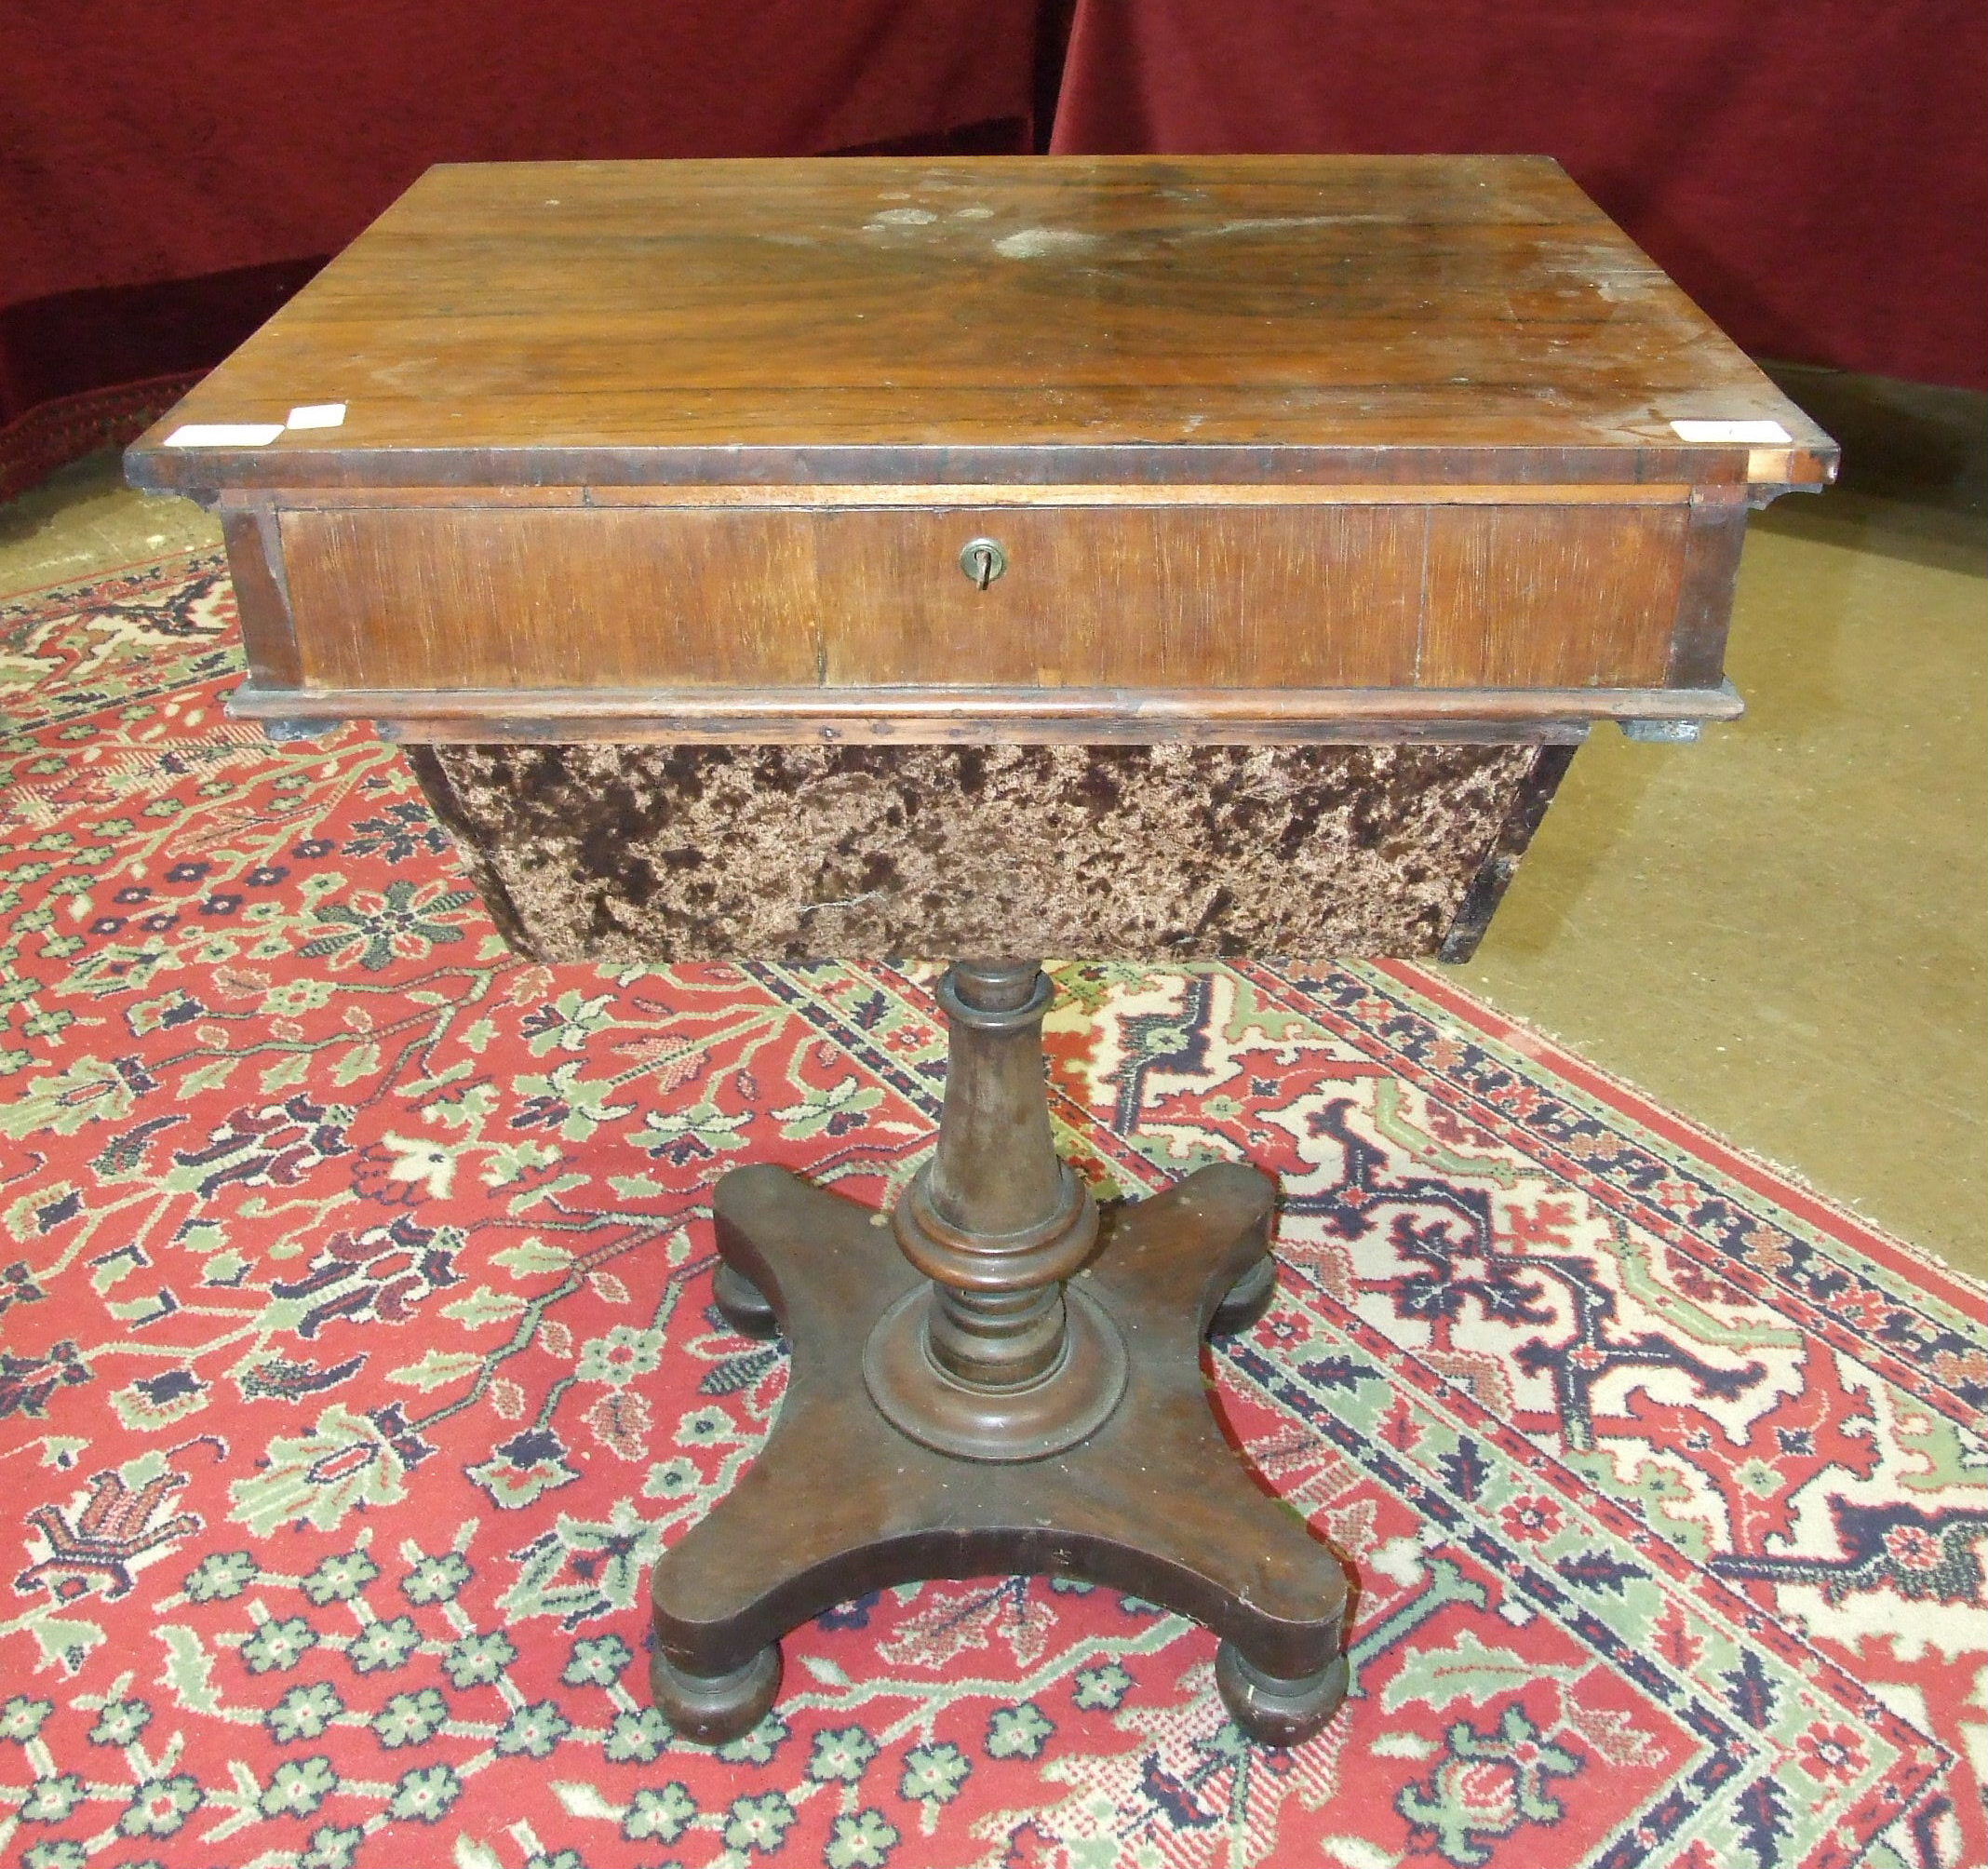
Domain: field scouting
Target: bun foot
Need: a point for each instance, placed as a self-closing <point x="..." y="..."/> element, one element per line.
<point x="711" y="1709"/>
<point x="1276" y="1711"/>
<point x="1246" y="1300"/>
<point x="742" y="1304"/>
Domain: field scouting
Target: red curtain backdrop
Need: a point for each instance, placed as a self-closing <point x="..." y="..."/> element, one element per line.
<point x="1814" y="172"/>
<point x="168" y="175"/>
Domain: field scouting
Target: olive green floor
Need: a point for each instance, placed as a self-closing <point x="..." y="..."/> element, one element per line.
<point x="1780" y="932"/>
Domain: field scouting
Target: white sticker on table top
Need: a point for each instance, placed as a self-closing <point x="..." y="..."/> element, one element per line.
<point x="317" y="415"/>
<point x="1748" y="434"/>
<point x="224" y="434"/>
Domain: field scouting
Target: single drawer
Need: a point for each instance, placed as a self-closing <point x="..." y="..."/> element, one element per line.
<point x="1096" y="588"/>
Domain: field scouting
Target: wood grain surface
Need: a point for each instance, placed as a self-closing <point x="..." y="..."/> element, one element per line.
<point x="1162" y="596"/>
<point x="1458" y="318"/>
<point x="1567" y="596"/>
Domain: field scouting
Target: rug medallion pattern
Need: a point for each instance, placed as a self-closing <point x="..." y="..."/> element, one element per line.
<point x="358" y="1356"/>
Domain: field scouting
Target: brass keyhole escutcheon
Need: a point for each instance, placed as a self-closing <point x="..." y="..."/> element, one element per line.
<point x="983" y="561"/>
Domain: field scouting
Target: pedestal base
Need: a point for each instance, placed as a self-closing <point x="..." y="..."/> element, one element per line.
<point x="1154" y="1501"/>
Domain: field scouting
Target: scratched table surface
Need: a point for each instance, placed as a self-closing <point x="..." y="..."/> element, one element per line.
<point x="1323" y="317"/>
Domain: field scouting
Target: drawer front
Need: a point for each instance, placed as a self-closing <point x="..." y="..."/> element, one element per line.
<point x="564" y="596"/>
<point x="1310" y="593"/>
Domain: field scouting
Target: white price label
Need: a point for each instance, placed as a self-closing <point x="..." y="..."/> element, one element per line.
<point x="224" y="434"/>
<point x="1746" y="433"/>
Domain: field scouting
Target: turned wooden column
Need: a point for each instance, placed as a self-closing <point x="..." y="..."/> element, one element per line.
<point x="997" y="1358"/>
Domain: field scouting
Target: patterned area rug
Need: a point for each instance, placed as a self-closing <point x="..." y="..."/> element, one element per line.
<point x="359" y="1356"/>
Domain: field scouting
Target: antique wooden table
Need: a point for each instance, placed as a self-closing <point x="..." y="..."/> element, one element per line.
<point x="990" y="558"/>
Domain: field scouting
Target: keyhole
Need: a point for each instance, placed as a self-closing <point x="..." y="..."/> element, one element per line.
<point x="983" y="561"/>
